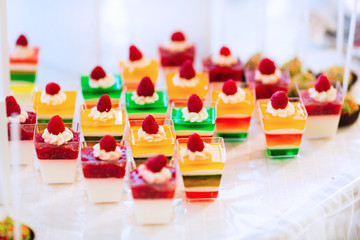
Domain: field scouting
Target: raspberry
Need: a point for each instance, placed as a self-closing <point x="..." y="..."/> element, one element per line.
<point x="178" y="37"/>
<point x="156" y="163"/>
<point x="187" y="70"/>
<point x="134" y="53"/>
<point x="322" y="83"/>
<point x="108" y="143"/>
<point x="195" y="143"/>
<point x="12" y="107"/>
<point x="229" y="87"/>
<point x="225" y="51"/>
<point x="98" y="73"/>
<point x="104" y="104"/>
<point x="146" y="87"/>
<point x="194" y="103"/>
<point x="149" y="125"/>
<point x="22" y="41"/>
<point x="266" y="66"/>
<point x="279" y="100"/>
<point x="52" y="88"/>
<point x="55" y="125"/>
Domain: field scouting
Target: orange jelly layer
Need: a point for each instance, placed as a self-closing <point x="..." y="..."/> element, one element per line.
<point x="245" y="108"/>
<point x="32" y="60"/>
<point x="273" y="140"/>
<point x="233" y="124"/>
<point x="93" y="102"/>
<point x="65" y="108"/>
<point x="295" y="121"/>
<point x="117" y="125"/>
<point x="183" y="93"/>
<point x="144" y="147"/>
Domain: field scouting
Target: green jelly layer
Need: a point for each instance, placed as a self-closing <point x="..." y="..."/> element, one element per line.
<point x="159" y="106"/>
<point x="181" y="125"/>
<point x="43" y="120"/>
<point x="233" y="137"/>
<point x="114" y="91"/>
<point x="283" y="153"/>
<point x="202" y="181"/>
<point x="26" y="77"/>
<point x="139" y="161"/>
<point x="96" y="138"/>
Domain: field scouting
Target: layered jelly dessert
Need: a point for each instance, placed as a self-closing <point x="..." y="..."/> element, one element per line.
<point x="137" y="67"/>
<point x="23" y="66"/>
<point x="150" y="137"/>
<point x="283" y="121"/>
<point x="235" y="106"/>
<point x="223" y="66"/>
<point x="267" y="79"/>
<point x="176" y="52"/>
<point x="201" y="162"/>
<point x="194" y="116"/>
<point x="145" y="100"/>
<point x="102" y="119"/>
<point x="54" y="101"/>
<point x="98" y="83"/>
<point x="153" y="187"/>
<point x="323" y="103"/>
<point x="26" y="121"/>
<point x="104" y="167"/>
<point x="180" y="85"/>
<point x="57" y="149"/>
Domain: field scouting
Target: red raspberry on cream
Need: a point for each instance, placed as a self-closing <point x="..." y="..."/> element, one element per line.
<point x="134" y="53"/>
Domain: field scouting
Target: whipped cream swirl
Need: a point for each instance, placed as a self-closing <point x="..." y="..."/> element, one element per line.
<point x="160" y="135"/>
<point x="150" y="177"/>
<point x="141" y="100"/>
<point x="224" y="61"/>
<point x="324" y="96"/>
<point x="287" y="111"/>
<point x="268" y="79"/>
<point x="102" y="116"/>
<point x="141" y="63"/>
<point x="59" y="139"/>
<point x="176" y="46"/>
<point x="183" y="82"/>
<point x="22" y="117"/>
<point x="193" y="116"/>
<point x="22" y="52"/>
<point x="56" y="99"/>
<point x="204" y="154"/>
<point x="107" y="156"/>
<point x="239" y="96"/>
<point x="105" y="82"/>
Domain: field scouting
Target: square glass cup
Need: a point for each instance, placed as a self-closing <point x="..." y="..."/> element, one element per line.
<point x="222" y="73"/>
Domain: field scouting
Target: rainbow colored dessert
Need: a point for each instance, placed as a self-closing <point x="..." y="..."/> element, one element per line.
<point x="54" y="101"/>
<point x="201" y="162"/>
<point x="150" y="137"/>
<point x="98" y="83"/>
<point x="137" y="67"/>
<point x="193" y="116"/>
<point x="235" y="106"/>
<point x="182" y="84"/>
<point x="145" y="101"/>
<point x="267" y="79"/>
<point x="104" y="167"/>
<point x="153" y="186"/>
<point x="223" y="66"/>
<point x="283" y="121"/>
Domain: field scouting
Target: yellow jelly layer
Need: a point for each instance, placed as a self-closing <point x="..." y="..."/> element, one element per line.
<point x="66" y="108"/>
<point x="22" y="88"/>
<point x="183" y="93"/>
<point x="112" y="126"/>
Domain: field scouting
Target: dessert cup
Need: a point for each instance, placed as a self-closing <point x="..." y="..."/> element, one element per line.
<point x="7" y="230"/>
<point x="222" y="73"/>
<point x="174" y="59"/>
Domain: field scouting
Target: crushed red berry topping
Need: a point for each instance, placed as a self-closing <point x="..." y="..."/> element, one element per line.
<point x="55" y="125"/>
<point x="146" y="87"/>
<point x="108" y="143"/>
<point x="322" y="83"/>
<point x="225" y="51"/>
<point x="279" y="100"/>
<point x="52" y="88"/>
<point x="266" y="66"/>
<point x="134" y="53"/>
<point x="156" y="163"/>
<point x="195" y="143"/>
<point x="22" y="41"/>
<point x="178" y="37"/>
<point x="104" y="104"/>
<point x="12" y="107"/>
<point x="194" y="103"/>
<point x="98" y="73"/>
<point x="187" y="70"/>
<point x="229" y="87"/>
<point x="149" y="125"/>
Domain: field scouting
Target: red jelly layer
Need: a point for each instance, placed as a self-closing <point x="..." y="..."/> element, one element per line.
<point x="175" y="59"/>
<point x="201" y="195"/>
<point x="70" y="150"/>
<point x="314" y="108"/>
<point x="95" y="168"/>
<point x="223" y="73"/>
<point x="26" y="128"/>
<point x="142" y="190"/>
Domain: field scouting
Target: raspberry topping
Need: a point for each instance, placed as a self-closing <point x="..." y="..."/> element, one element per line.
<point x="195" y="143"/>
<point x="178" y="37"/>
<point x="225" y="51"/>
<point x="322" y="83"/>
<point x="104" y="104"/>
<point x="22" y="41"/>
<point x="55" y="125"/>
<point x="146" y="87"/>
<point x="266" y="66"/>
<point x="149" y="125"/>
<point x="108" y="143"/>
<point x="279" y="100"/>
<point x="194" y="103"/>
<point x="187" y="70"/>
<point x="134" y="53"/>
<point x="156" y="163"/>
<point x="52" y="88"/>
<point x="98" y="73"/>
<point x="229" y="87"/>
<point x="12" y="107"/>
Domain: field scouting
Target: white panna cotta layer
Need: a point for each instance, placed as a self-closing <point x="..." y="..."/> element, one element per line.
<point x="322" y="126"/>
<point x="153" y="211"/>
<point x="104" y="189"/>
<point x="26" y="151"/>
<point x="58" y="171"/>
